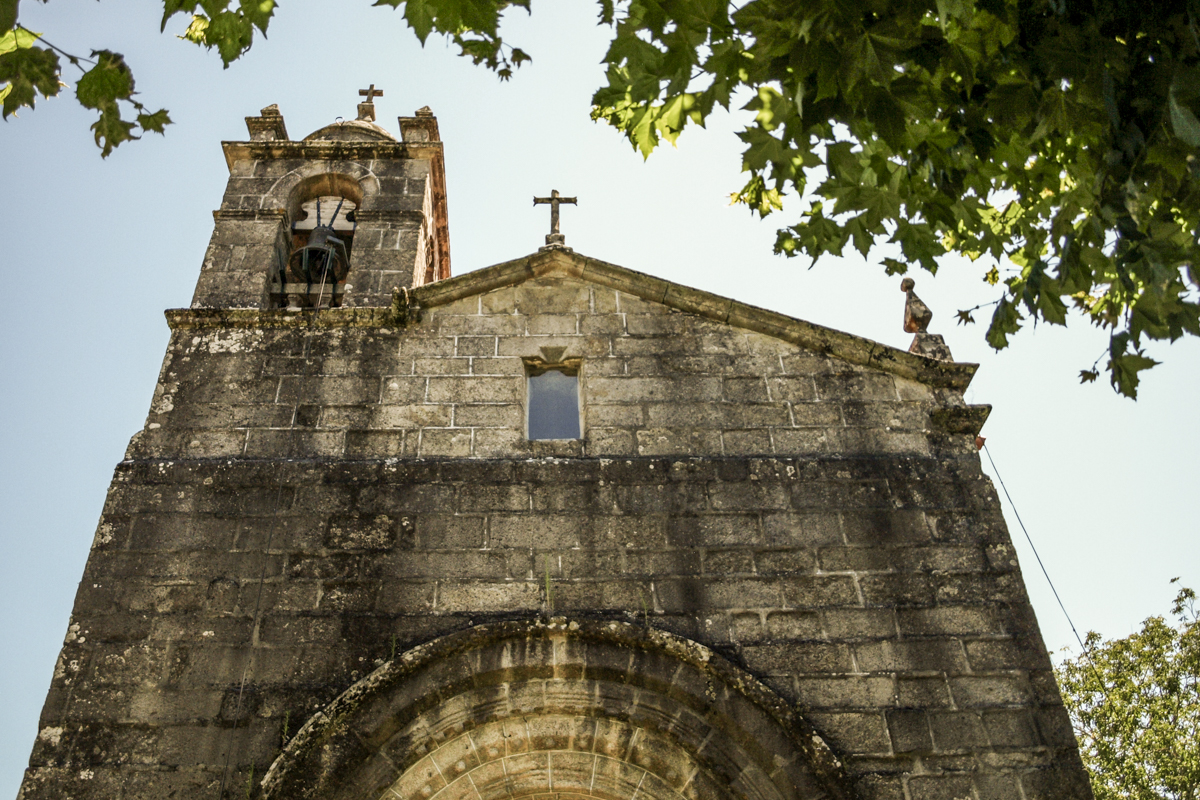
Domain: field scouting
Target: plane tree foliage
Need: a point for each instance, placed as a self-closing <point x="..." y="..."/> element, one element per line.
<point x="1135" y="706"/>
<point x="1056" y="140"/>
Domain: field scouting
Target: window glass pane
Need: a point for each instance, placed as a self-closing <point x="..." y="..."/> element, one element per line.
<point x="553" y="406"/>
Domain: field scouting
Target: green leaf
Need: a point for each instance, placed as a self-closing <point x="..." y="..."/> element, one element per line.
<point x="887" y="117"/>
<point x="27" y="70"/>
<point x="1125" y="364"/>
<point x="155" y="122"/>
<point x="258" y="12"/>
<point x="110" y="130"/>
<point x="8" y="14"/>
<point x="17" y="39"/>
<point x="197" y="30"/>
<point x="102" y="85"/>
<point x="1184" y="122"/>
<point x="1006" y="320"/>
<point x="231" y="33"/>
<point x="173" y="7"/>
<point x="419" y="16"/>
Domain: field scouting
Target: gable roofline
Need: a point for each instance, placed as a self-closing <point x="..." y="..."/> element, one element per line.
<point x="562" y="262"/>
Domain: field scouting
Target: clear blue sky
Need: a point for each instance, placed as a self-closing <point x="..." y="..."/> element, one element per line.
<point x="95" y="250"/>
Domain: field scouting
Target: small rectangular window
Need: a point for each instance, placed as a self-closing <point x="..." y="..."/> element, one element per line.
<point x="553" y="402"/>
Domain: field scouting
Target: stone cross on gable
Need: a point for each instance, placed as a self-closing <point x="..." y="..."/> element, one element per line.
<point x="554" y="201"/>
<point x="366" y="109"/>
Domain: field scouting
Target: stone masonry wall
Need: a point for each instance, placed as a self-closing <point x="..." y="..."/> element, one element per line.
<point x="307" y="503"/>
<point x="653" y="382"/>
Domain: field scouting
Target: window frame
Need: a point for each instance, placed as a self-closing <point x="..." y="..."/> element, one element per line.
<point x="572" y="367"/>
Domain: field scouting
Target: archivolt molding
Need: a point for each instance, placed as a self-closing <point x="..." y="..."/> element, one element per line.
<point x="312" y="179"/>
<point x="572" y="708"/>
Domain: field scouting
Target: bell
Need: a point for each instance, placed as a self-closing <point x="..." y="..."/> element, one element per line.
<point x="320" y="265"/>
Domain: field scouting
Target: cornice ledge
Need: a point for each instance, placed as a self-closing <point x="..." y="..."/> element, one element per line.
<point x="810" y="336"/>
<point x="246" y="318"/>
<point x="327" y="150"/>
<point x="250" y="214"/>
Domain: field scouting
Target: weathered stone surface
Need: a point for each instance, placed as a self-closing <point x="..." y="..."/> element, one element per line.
<point x="865" y="643"/>
<point x="770" y="567"/>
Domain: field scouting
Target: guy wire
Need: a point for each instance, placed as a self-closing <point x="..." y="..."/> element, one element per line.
<point x="1083" y="647"/>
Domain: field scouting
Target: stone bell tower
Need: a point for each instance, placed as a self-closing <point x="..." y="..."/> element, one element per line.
<point x="383" y="201"/>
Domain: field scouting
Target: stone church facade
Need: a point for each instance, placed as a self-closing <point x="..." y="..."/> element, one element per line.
<point x="336" y="563"/>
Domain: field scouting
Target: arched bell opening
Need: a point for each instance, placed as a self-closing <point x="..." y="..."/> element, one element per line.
<point x="321" y="223"/>
<point x="574" y="709"/>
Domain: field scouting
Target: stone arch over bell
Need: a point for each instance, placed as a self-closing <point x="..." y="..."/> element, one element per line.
<point x="313" y="179"/>
<point x="573" y="709"/>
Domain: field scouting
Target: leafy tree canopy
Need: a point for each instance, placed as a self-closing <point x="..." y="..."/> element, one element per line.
<point x="1056" y="136"/>
<point x="1135" y="705"/>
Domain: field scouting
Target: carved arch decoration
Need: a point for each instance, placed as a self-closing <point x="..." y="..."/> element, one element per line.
<point x="576" y="709"/>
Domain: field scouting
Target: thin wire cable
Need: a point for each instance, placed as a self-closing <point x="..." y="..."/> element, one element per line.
<point x="1029" y="539"/>
<point x="1086" y="651"/>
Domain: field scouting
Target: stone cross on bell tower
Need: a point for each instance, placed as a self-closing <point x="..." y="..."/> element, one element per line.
<point x="366" y="109"/>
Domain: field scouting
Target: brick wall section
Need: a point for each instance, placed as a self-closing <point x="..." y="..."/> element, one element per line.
<point x="305" y="504"/>
<point x="654" y="382"/>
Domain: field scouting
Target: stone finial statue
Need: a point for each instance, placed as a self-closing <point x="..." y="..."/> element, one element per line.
<point x="916" y="320"/>
<point x="916" y="314"/>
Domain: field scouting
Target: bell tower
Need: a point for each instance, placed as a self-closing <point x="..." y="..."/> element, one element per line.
<point x="339" y="218"/>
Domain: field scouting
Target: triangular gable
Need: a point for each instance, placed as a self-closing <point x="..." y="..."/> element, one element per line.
<point x="561" y="262"/>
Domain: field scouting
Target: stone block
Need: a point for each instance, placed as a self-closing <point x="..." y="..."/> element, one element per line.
<point x="715" y="530"/>
<point x="493" y="442"/>
<point x="465" y="598"/>
<point x="799" y="658"/>
<point x="986" y="691"/>
<point x="357" y="531"/>
<point x="377" y="444"/>
<point x="679" y="441"/>
<point x="922" y="655"/>
<point x="443" y="531"/>
<point x="804" y="591"/>
<point x="909" y="730"/>
<point x="746" y="442"/>
<point x="442" y="366"/>
<point x="859" y="623"/>
<point x="802" y="625"/>
<point x="482" y="497"/>
<point x="845" y="693"/>
<point x="500" y="365"/>
<point x="859" y="385"/>
<point x="534" y="531"/>
<point x="554" y="325"/>
<point x="778" y="562"/>
<point x="940" y="787"/>
<point x="452" y="442"/>
<point x="476" y="390"/>
<point x="424" y="415"/>
<point x="474" y="346"/>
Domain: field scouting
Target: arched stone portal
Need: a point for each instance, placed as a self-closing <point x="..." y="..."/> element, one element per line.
<point x="571" y="709"/>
